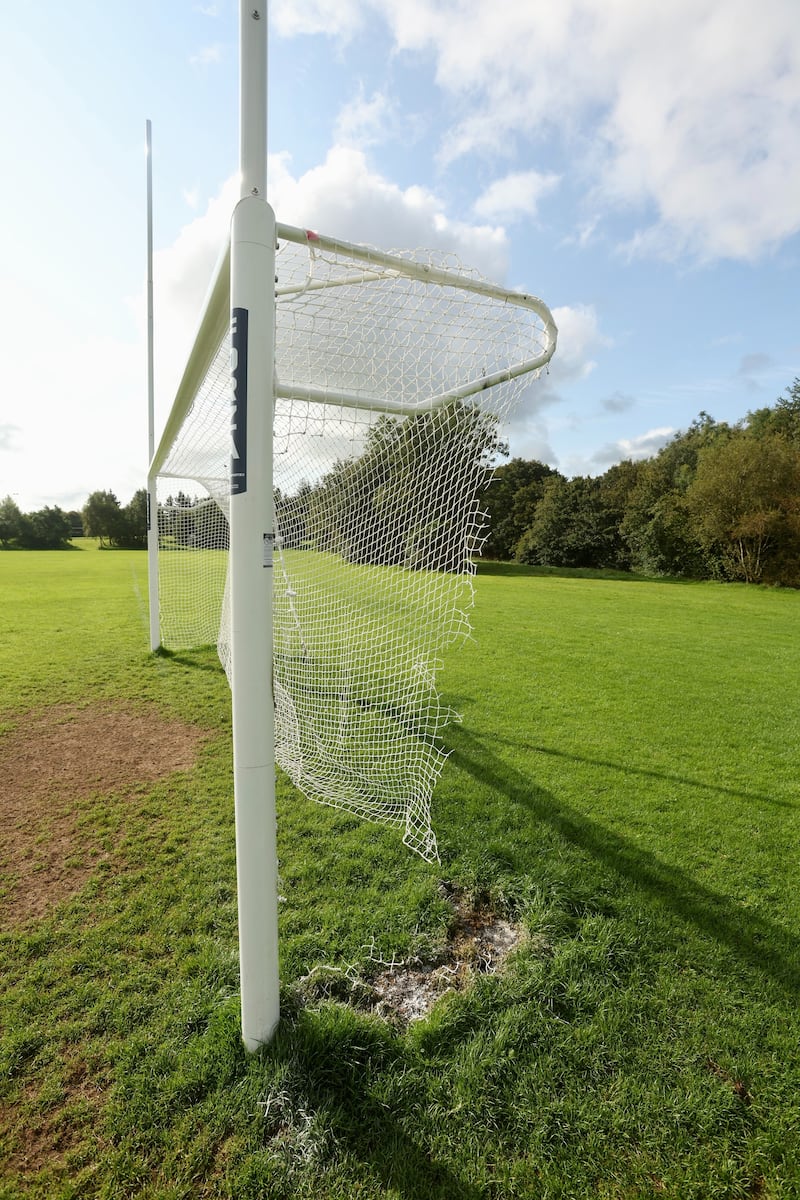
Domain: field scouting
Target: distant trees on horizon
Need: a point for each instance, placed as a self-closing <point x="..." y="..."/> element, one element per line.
<point x="718" y="501"/>
<point x="53" y="529"/>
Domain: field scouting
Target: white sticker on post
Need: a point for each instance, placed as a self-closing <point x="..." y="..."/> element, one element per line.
<point x="269" y="544"/>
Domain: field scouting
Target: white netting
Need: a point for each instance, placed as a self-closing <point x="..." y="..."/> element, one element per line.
<point x="377" y="513"/>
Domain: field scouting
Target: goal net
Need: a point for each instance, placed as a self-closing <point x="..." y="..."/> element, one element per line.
<point x="394" y="374"/>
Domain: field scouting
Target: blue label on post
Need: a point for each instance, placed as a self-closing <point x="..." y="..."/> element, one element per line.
<point x="239" y="401"/>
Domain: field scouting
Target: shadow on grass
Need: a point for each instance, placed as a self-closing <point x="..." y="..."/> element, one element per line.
<point x="204" y="658"/>
<point x="759" y="797"/>
<point x="334" y="1062"/>
<point x="757" y="942"/>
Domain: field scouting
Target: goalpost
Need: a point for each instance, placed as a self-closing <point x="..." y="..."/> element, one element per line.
<point x="314" y="510"/>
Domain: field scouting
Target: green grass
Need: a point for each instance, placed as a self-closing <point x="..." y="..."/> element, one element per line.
<point x="623" y="782"/>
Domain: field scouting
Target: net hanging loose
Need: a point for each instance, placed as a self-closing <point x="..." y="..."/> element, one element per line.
<point x="394" y="376"/>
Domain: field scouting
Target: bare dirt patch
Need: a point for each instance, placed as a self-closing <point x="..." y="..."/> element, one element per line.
<point x="47" y="1133"/>
<point x="51" y="761"/>
<point x="404" y="991"/>
<point x="479" y="942"/>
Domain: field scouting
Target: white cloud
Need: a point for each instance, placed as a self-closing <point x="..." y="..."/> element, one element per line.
<point x="752" y="367"/>
<point x="341" y="196"/>
<point x="340" y="18"/>
<point x="579" y="338"/>
<point x="531" y="440"/>
<point x="636" y="448"/>
<point x="8" y="437"/>
<point x="584" y="235"/>
<point x="84" y="425"/>
<point x="181" y="276"/>
<point x="207" y="55"/>
<point x="752" y="364"/>
<point x="346" y="197"/>
<point x="363" y="122"/>
<point x="515" y="195"/>
<point x="618" y="402"/>
<point x="685" y="114"/>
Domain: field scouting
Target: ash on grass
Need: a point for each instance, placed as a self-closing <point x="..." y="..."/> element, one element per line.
<point x="404" y="991"/>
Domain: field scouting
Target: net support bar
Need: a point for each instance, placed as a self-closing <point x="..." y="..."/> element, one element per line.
<point x="316" y="395"/>
<point x="429" y="274"/>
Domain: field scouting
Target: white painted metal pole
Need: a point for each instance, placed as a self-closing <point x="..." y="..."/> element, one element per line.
<point x="251" y="549"/>
<point x="152" y="502"/>
<point x="253" y="98"/>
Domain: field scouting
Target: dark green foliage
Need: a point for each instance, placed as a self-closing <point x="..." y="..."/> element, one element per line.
<point x="510" y="504"/>
<point x="193" y="522"/>
<point x="783" y="418"/>
<point x="47" y="529"/>
<point x="656" y="523"/>
<point x="744" y="505"/>
<point x="102" y="517"/>
<point x="570" y="527"/>
<point x="124" y="528"/>
<point x="718" y="501"/>
<point x="52" y="528"/>
<point x="133" y="532"/>
<point x="395" y="505"/>
<point x="10" y="521"/>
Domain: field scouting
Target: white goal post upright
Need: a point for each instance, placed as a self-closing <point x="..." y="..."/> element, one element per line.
<point x="152" y="498"/>
<point x="252" y="537"/>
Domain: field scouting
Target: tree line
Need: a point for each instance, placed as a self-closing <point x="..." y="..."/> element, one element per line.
<point x="719" y="501"/>
<point x="186" y="521"/>
<point x="401" y="501"/>
<point x="51" y="528"/>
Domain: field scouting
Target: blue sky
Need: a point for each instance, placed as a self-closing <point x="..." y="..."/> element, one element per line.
<point x="634" y="163"/>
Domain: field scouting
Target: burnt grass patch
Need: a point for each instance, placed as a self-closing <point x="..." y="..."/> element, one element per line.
<point x="403" y="991"/>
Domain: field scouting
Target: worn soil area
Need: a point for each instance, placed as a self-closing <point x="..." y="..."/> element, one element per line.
<point x="478" y="943"/>
<point x="404" y="991"/>
<point x="51" y="761"/>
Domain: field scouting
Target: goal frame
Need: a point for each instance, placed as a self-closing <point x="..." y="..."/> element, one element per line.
<point x="242" y="298"/>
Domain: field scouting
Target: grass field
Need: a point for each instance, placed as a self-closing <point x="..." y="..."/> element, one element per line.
<point x="623" y="787"/>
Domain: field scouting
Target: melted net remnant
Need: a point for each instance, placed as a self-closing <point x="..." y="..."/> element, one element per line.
<point x="377" y="513"/>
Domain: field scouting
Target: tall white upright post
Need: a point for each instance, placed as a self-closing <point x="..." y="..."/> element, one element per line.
<point x="251" y="545"/>
<point x="152" y="501"/>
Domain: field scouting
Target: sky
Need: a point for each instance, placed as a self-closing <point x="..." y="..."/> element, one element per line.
<point x="634" y="163"/>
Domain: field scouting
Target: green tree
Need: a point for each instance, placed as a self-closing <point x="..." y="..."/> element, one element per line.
<point x="292" y="516"/>
<point x="510" y="502"/>
<point x="744" y="505"/>
<point x="102" y="517"/>
<point x="10" y="521"/>
<point x="132" y="531"/>
<point x="656" y="526"/>
<point x="783" y="418"/>
<point x="396" y="504"/>
<point x="570" y="528"/>
<point x="47" y="529"/>
<point x="75" y="523"/>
